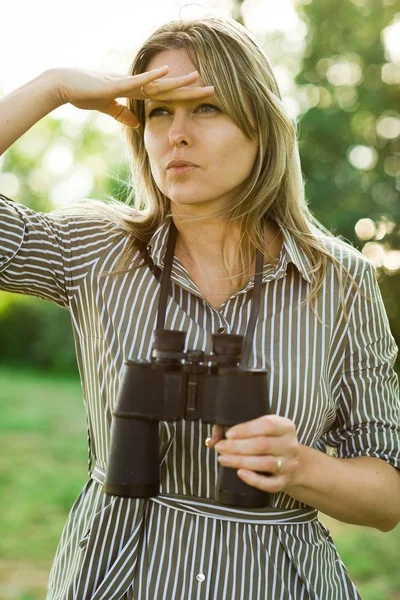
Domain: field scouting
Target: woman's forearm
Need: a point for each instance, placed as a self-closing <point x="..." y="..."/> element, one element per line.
<point x="361" y="490"/>
<point x="25" y="106"/>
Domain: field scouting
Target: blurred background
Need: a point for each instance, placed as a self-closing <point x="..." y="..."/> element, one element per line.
<point x="338" y="66"/>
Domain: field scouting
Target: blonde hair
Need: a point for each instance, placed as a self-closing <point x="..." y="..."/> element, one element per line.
<point x="228" y="57"/>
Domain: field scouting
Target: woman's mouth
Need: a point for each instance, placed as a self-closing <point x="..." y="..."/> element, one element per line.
<point x="182" y="169"/>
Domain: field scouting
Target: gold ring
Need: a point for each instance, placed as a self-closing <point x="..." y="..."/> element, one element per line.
<point x="207" y="441"/>
<point x="142" y="90"/>
<point x="278" y="466"/>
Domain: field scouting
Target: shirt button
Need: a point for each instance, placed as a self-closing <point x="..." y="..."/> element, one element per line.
<point x="222" y="330"/>
<point x="207" y="441"/>
<point x="200" y="577"/>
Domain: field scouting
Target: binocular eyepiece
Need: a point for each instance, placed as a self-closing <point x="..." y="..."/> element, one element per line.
<point x="177" y="385"/>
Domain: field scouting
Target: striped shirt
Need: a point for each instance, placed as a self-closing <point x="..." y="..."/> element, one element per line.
<point x="333" y="378"/>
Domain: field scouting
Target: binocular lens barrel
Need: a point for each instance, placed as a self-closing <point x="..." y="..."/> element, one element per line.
<point x="233" y="491"/>
<point x="133" y="469"/>
<point x="172" y="386"/>
<point x="133" y="464"/>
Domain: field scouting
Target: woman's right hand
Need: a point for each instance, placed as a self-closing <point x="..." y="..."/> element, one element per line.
<point x="94" y="90"/>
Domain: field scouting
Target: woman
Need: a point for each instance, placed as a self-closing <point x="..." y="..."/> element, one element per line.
<point x="331" y="442"/>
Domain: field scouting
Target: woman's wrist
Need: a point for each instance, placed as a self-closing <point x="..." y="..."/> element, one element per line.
<point x="352" y="490"/>
<point x="308" y="460"/>
<point x="50" y="81"/>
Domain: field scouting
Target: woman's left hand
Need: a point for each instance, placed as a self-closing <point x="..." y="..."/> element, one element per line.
<point x="265" y="445"/>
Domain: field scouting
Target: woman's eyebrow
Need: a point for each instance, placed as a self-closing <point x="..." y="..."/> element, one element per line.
<point x="148" y="103"/>
<point x="151" y="100"/>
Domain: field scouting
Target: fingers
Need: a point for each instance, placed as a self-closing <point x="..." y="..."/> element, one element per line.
<point x="264" y="464"/>
<point x="258" y="445"/>
<point x="264" y="451"/>
<point x="176" y="88"/>
<point x="185" y="93"/>
<point x="268" y="434"/>
<point x="143" y="78"/>
<point x="121" y="114"/>
<point x="131" y="85"/>
<point x="161" y="85"/>
<point x="217" y="435"/>
<point x="161" y="88"/>
<point x="152" y="85"/>
<point x="272" y="425"/>
<point x="272" y="485"/>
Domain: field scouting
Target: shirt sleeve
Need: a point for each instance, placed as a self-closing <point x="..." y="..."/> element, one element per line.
<point x="49" y="254"/>
<point x="368" y="413"/>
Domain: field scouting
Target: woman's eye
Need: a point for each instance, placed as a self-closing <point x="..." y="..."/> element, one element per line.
<point x="210" y="106"/>
<point x="157" y="111"/>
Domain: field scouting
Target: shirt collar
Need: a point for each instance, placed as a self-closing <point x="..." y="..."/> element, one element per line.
<point x="291" y="251"/>
<point x="296" y="254"/>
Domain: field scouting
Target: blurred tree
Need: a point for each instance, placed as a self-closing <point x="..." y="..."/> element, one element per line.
<point x="349" y="135"/>
<point x="61" y="159"/>
<point x="351" y="108"/>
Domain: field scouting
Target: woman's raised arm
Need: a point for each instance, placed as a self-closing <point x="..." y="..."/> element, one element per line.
<point x="88" y="90"/>
<point x="43" y="254"/>
<point x="26" y="106"/>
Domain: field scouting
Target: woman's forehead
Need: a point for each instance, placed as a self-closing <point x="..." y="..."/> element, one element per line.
<point x="178" y="61"/>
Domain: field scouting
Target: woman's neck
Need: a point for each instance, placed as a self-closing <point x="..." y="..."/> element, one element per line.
<point x="200" y="242"/>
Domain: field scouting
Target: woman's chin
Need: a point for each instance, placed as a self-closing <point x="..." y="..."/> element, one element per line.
<point x="189" y="201"/>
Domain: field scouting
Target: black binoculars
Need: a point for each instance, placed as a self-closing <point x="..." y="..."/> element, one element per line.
<point x="177" y="385"/>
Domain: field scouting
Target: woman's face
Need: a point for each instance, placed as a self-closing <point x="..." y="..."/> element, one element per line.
<point x="194" y="131"/>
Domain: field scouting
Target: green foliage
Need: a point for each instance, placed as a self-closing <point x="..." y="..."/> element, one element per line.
<point x="36" y="333"/>
<point x="43" y="427"/>
<point x="371" y="558"/>
<point x="347" y="35"/>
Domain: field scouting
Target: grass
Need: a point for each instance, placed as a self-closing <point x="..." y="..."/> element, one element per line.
<point x="43" y="430"/>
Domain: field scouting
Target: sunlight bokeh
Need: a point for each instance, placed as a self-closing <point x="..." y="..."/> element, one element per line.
<point x="90" y="35"/>
<point x="93" y="37"/>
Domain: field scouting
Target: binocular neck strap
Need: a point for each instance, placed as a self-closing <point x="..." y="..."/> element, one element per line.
<point x="166" y="276"/>
<point x="255" y="304"/>
<point x="255" y="309"/>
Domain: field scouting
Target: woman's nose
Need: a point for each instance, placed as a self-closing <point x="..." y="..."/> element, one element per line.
<point x="179" y="132"/>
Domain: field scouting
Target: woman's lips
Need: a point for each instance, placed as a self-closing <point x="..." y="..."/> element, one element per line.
<point x="180" y="170"/>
